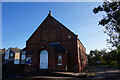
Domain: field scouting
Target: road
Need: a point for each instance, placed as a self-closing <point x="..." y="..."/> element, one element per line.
<point x="104" y="73"/>
<point x="94" y="73"/>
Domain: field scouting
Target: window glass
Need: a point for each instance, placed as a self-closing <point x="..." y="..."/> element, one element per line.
<point x="16" y="61"/>
<point x="69" y="36"/>
<point x="28" y="60"/>
<point x="6" y="55"/>
<point x="59" y="60"/>
<point x="23" y="59"/>
<point x="11" y="54"/>
<point x="17" y="55"/>
<point x="23" y="52"/>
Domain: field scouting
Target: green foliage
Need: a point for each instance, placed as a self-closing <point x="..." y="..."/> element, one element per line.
<point x="111" y="21"/>
<point x="106" y="58"/>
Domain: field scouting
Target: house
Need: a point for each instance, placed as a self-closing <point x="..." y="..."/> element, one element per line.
<point x="13" y="60"/>
<point x="13" y="55"/>
<point x="54" y="47"/>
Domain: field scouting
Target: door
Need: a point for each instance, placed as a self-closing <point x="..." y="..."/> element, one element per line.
<point x="44" y="59"/>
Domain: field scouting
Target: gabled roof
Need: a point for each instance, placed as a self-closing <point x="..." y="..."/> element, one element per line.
<point x="63" y="25"/>
<point x="16" y="49"/>
<point x="49" y="17"/>
<point x="13" y="49"/>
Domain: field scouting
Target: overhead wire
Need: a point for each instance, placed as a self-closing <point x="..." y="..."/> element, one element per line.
<point x="85" y="24"/>
<point x="74" y="27"/>
<point x="79" y="20"/>
<point x="82" y="25"/>
<point x="80" y="16"/>
<point x="91" y="35"/>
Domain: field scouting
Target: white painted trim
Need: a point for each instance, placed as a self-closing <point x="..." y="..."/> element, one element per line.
<point x="60" y="64"/>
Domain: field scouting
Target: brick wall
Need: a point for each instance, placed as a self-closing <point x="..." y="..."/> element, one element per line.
<point x="53" y="31"/>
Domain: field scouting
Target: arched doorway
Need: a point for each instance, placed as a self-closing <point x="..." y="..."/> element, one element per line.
<point x="44" y="59"/>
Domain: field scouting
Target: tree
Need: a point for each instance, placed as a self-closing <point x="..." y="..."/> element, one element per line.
<point x="94" y="56"/>
<point x="111" y="21"/>
<point x="111" y="58"/>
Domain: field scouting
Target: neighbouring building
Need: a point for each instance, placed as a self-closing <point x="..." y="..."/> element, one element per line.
<point x="54" y="47"/>
<point x="13" y="60"/>
<point x="13" y="55"/>
<point x="1" y="54"/>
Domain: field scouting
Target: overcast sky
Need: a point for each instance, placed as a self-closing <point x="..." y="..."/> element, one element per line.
<point x="21" y="19"/>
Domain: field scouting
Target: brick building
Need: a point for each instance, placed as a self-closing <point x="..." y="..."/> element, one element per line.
<point x="13" y="55"/>
<point x="13" y="60"/>
<point x="54" y="47"/>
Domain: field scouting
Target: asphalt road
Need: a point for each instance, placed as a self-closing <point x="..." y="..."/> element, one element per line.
<point x="94" y="73"/>
<point x="104" y="73"/>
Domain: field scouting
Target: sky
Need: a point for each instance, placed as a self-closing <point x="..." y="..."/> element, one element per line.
<point x="21" y="19"/>
<point x="53" y="0"/>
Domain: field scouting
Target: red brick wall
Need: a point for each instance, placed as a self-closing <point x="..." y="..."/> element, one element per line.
<point x="82" y="56"/>
<point x="53" y="31"/>
<point x="62" y="67"/>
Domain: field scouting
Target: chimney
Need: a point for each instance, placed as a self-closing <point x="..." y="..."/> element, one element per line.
<point x="4" y="49"/>
<point x="50" y="13"/>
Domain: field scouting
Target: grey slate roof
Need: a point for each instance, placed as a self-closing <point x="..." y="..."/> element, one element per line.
<point x="16" y="49"/>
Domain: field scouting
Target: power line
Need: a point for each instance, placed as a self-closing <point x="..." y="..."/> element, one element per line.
<point x="82" y="15"/>
<point x="81" y="18"/>
<point x="86" y="24"/>
<point x="72" y="21"/>
<point x="72" y="28"/>
<point x="81" y="21"/>
<point x="91" y="35"/>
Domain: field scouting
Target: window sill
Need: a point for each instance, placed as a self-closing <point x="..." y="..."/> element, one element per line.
<point x="29" y="64"/>
<point x="59" y="64"/>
